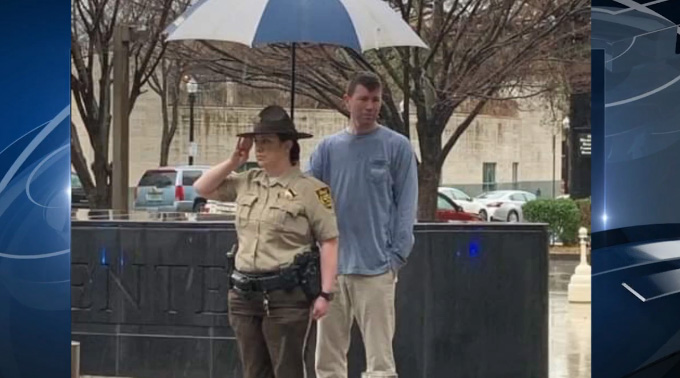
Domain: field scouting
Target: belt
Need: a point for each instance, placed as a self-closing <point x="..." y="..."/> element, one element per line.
<point x="263" y="282"/>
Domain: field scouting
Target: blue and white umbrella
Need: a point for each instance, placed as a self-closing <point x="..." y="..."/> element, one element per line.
<point x="358" y="24"/>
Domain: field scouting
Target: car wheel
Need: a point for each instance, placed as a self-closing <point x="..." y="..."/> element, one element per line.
<point x="513" y="217"/>
<point x="484" y="215"/>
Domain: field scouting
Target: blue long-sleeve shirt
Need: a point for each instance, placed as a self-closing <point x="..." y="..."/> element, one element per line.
<point x="374" y="183"/>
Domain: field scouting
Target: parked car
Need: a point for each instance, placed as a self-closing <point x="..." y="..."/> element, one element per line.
<point x="449" y="210"/>
<point x="248" y="166"/>
<point x="211" y="210"/>
<point x="168" y="189"/>
<point x="206" y="206"/>
<point x="465" y="201"/>
<point x="505" y="205"/>
<point x="78" y="196"/>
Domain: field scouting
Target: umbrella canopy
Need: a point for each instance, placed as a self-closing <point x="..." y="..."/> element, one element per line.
<point x="358" y="24"/>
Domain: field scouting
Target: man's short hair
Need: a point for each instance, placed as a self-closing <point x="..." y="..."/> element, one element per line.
<point x="368" y="80"/>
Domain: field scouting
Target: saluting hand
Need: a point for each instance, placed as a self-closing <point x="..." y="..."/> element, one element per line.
<point x="242" y="151"/>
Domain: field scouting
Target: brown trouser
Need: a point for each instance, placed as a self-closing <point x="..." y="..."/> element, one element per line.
<point x="272" y="345"/>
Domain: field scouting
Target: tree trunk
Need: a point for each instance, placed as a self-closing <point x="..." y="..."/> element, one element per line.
<point x="102" y="172"/>
<point x="429" y="173"/>
<point x="165" y="141"/>
<point x="428" y="182"/>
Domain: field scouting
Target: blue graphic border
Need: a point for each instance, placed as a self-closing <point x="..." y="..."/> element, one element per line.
<point x="635" y="222"/>
<point x="35" y="314"/>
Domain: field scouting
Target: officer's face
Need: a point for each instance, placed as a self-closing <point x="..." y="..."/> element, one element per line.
<point x="269" y="150"/>
<point x="364" y="106"/>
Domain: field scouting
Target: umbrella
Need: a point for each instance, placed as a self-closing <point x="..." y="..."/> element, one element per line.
<point x="358" y="24"/>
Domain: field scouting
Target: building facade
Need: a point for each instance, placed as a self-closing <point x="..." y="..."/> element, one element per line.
<point x="496" y="152"/>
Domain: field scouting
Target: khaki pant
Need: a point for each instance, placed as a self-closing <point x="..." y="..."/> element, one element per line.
<point x="272" y="345"/>
<point x="369" y="300"/>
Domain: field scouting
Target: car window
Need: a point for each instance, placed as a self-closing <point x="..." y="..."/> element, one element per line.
<point x="158" y="178"/>
<point x="518" y="197"/>
<point x="188" y="177"/>
<point x="447" y="192"/>
<point x="461" y="195"/>
<point x="529" y="196"/>
<point x="75" y="181"/>
<point x="443" y="204"/>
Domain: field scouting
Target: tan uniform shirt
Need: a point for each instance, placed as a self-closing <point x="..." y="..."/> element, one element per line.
<point x="277" y="217"/>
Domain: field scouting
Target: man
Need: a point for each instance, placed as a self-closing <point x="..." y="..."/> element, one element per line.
<point x="372" y="173"/>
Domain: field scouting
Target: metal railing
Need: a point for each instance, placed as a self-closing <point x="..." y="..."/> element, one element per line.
<point x="147" y="216"/>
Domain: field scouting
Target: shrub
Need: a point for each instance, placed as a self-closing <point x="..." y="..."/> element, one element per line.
<point x="562" y="216"/>
<point x="584" y="207"/>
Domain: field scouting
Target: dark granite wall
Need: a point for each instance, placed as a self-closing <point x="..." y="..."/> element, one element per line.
<point x="149" y="300"/>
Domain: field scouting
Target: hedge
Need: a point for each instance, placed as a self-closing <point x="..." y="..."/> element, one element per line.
<point x="562" y="215"/>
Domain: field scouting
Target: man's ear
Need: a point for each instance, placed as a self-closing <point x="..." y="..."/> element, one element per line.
<point x="345" y="100"/>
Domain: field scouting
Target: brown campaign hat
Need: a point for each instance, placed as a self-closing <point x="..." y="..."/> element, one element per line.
<point x="275" y="120"/>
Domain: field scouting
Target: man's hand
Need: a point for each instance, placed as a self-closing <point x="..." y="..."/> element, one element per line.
<point x="242" y="151"/>
<point x="320" y="308"/>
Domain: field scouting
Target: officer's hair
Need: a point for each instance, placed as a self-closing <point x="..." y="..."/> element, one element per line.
<point x="366" y="79"/>
<point x="294" y="156"/>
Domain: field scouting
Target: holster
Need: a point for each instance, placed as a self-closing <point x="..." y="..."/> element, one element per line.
<point x="304" y="272"/>
<point x="309" y="272"/>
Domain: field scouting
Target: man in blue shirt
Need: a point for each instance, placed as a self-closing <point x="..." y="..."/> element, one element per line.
<point x="372" y="173"/>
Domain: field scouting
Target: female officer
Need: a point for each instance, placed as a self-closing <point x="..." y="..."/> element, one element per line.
<point x="281" y="213"/>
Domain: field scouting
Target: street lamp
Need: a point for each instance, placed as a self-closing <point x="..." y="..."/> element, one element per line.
<point x="192" y="88"/>
<point x="565" y="126"/>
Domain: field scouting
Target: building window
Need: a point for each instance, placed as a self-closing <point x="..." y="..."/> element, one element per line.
<point x="489" y="177"/>
<point x="515" y="175"/>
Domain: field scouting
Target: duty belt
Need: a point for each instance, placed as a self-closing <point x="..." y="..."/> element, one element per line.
<point x="246" y="282"/>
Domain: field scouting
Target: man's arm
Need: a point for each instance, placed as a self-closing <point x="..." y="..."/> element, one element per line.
<point x="406" y="200"/>
<point x="316" y="162"/>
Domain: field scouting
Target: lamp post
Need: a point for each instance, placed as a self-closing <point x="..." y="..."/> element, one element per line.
<point x="192" y="88"/>
<point x="565" y="126"/>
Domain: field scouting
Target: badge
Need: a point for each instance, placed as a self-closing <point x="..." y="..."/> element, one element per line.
<point x="289" y="194"/>
<point x="324" y="195"/>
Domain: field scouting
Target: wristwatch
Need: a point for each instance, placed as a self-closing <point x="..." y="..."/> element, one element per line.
<point x="326" y="296"/>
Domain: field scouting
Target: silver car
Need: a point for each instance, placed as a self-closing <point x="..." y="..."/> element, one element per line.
<point x="505" y="205"/>
<point x="168" y="189"/>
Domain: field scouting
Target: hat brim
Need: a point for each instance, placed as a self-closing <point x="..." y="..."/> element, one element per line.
<point x="295" y="135"/>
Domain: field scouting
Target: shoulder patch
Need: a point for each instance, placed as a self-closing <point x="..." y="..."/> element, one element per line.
<point x="324" y="195"/>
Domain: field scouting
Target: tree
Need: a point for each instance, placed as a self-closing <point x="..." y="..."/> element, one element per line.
<point x="92" y="27"/>
<point x="481" y="53"/>
<point x="166" y="82"/>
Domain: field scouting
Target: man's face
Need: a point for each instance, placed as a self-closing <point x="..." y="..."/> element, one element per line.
<point x="364" y="106"/>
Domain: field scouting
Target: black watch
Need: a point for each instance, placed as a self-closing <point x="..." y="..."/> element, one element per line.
<point x="327" y="296"/>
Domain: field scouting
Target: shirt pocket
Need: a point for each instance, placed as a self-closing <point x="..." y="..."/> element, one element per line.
<point x="244" y="210"/>
<point x="378" y="170"/>
<point x="289" y="217"/>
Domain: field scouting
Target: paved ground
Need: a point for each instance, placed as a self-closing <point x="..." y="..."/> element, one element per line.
<point x="569" y="338"/>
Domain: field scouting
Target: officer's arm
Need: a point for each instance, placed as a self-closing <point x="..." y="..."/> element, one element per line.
<point x="329" y="264"/>
<point x="325" y="230"/>
<point x="218" y="183"/>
